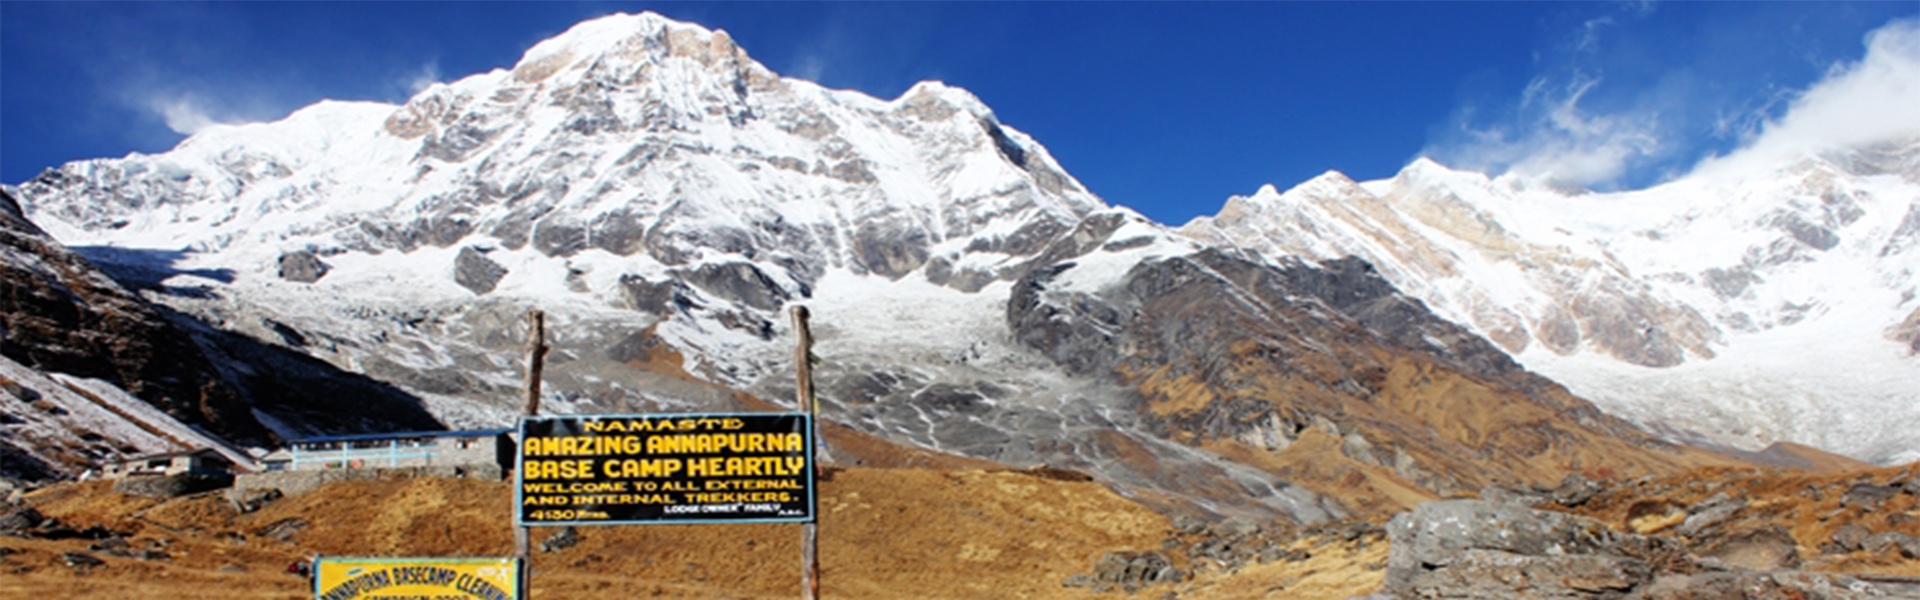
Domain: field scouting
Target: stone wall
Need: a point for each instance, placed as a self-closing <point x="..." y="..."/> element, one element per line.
<point x="168" y="486"/>
<point x="294" y="483"/>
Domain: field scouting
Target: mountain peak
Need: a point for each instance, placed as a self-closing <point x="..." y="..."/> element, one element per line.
<point x="931" y="91"/>
<point x="621" y="39"/>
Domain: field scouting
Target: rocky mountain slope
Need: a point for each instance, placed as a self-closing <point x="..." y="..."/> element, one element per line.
<point x="93" y="372"/>
<point x="665" y="199"/>
<point x="1736" y="307"/>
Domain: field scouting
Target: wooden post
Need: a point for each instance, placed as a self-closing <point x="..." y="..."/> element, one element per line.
<point x="803" y="391"/>
<point x="536" y="362"/>
<point x="536" y="357"/>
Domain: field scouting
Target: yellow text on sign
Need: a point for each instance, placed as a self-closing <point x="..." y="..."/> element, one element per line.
<point x="338" y="578"/>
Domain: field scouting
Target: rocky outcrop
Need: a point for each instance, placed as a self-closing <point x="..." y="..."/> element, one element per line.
<point x="1472" y="548"/>
<point x="1480" y="549"/>
<point x="474" y="271"/>
<point x="1224" y="349"/>
<point x="59" y="313"/>
<point x="302" y="266"/>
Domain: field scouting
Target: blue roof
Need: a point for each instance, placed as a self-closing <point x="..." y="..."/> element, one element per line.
<point x="395" y="435"/>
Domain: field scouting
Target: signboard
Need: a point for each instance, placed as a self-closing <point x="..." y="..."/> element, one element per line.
<point x="620" y="469"/>
<point x="344" y="578"/>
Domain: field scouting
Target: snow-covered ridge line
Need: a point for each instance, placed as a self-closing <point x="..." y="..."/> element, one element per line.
<point x="1722" y="309"/>
<point x="664" y="197"/>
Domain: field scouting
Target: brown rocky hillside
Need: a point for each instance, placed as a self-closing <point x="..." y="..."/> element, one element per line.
<point x="893" y="533"/>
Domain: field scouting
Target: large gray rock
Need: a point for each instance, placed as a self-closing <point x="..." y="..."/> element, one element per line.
<point x="1852" y="536"/>
<point x="16" y="520"/>
<point x="1709" y="514"/>
<point x="1759" y="585"/>
<point x="1868" y="496"/>
<point x="1760" y="549"/>
<point x="738" y="281"/>
<point x="474" y="271"/>
<point x="302" y="266"/>
<point x="1479" y="549"/>
<point x="1881" y="542"/>
<point x="1131" y="571"/>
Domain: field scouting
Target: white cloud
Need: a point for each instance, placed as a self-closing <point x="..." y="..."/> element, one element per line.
<point x="1555" y="140"/>
<point x="424" y="78"/>
<point x="1876" y="99"/>
<point x="1590" y="37"/>
<point x="810" y="66"/>
<point x="184" y="114"/>
<point x="1648" y="121"/>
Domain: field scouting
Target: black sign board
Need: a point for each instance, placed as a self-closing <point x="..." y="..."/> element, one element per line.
<point x="624" y="469"/>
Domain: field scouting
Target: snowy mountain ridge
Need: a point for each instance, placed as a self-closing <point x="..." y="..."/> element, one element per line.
<point x="664" y="199"/>
<point x="1735" y="308"/>
<point x="629" y="140"/>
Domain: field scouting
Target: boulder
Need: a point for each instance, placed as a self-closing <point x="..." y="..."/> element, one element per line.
<point x="283" y="529"/>
<point x="302" y="266"/>
<point x="1759" y="549"/>
<point x="1868" y="496"/>
<point x="81" y="560"/>
<point x="1883" y="541"/>
<point x="1710" y="513"/>
<point x="1757" y="585"/>
<point x="1479" y="549"/>
<point x="18" y="520"/>
<point x="1132" y="571"/>
<point x="474" y="271"/>
<point x="561" y="540"/>
<point x="1575" y="490"/>
<point x="1851" y="537"/>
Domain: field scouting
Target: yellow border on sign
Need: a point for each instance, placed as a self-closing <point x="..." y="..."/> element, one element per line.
<point x="351" y="578"/>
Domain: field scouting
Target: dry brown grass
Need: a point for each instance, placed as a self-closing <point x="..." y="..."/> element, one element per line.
<point x="884" y="534"/>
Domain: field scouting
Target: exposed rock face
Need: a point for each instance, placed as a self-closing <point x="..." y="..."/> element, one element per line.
<point x="739" y="282"/>
<point x="58" y="313"/>
<point x="1479" y="549"/>
<point x="302" y="266"/>
<point x="474" y="271"/>
<point x="1759" y="549"/>
<point x="1225" y="350"/>
<point x="1470" y="548"/>
<point x="1696" y="270"/>
<point x="1908" y="330"/>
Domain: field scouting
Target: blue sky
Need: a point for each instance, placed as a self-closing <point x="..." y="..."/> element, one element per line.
<point x="1168" y="108"/>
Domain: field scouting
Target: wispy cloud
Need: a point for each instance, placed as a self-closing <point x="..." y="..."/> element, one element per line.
<point x="185" y="115"/>
<point x="1552" y="133"/>
<point x="425" y="77"/>
<point x="1863" y="102"/>
<point x="1554" y="139"/>
<point x="1623" y="100"/>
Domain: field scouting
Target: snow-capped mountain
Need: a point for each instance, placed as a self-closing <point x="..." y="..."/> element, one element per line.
<point x="1736" y="307"/>
<point x="665" y="200"/>
<point x="630" y="162"/>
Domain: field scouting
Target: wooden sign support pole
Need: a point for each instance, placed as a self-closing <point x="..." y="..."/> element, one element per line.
<point x="803" y="371"/>
<point x="536" y="362"/>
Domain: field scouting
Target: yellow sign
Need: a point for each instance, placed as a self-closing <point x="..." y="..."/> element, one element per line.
<point x="345" y="578"/>
<point x="619" y="469"/>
